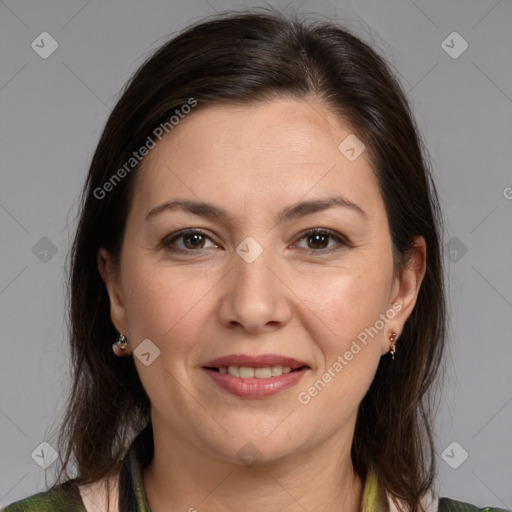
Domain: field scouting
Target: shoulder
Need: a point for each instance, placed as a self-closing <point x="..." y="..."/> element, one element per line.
<point x="431" y="504"/>
<point x="61" y="498"/>
<point x="448" y="505"/>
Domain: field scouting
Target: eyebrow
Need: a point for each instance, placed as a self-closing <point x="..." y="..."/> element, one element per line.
<point x="294" y="211"/>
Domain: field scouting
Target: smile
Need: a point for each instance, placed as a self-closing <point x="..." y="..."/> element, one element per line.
<point x="255" y="382"/>
<point x="245" y="372"/>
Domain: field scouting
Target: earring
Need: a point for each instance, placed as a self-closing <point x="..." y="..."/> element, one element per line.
<point x="119" y="347"/>
<point x="392" y="349"/>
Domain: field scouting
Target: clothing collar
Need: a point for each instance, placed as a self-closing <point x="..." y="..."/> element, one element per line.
<point x="132" y="497"/>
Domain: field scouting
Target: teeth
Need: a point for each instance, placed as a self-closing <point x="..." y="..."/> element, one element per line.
<point x="276" y="371"/>
<point x="234" y="371"/>
<point x="246" y="373"/>
<point x="260" y="373"/>
<point x="263" y="373"/>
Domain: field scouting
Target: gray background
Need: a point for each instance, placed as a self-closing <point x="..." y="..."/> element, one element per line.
<point x="52" y="111"/>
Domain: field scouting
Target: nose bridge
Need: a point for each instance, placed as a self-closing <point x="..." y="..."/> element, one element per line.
<point x="254" y="295"/>
<point x="252" y="263"/>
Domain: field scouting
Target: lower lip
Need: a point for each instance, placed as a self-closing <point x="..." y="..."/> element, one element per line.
<point x="254" y="387"/>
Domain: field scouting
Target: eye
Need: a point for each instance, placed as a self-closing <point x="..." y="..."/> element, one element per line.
<point x="194" y="239"/>
<point x="319" y="237"/>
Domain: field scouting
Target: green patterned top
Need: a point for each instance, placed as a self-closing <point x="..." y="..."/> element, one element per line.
<point x="66" y="497"/>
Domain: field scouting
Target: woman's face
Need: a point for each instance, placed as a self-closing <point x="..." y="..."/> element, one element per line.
<point x="254" y="282"/>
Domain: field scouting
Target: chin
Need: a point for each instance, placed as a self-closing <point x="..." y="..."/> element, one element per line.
<point x="257" y="446"/>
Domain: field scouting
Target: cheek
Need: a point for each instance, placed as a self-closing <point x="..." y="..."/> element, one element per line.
<point x="166" y="305"/>
<point x="349" y="348"/>
<point x="160" y="300"/>
<point x="347" y="307"/>
<point x="348" y="303"/>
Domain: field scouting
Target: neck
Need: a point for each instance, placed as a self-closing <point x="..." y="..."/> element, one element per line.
<point x="181" y="476"/>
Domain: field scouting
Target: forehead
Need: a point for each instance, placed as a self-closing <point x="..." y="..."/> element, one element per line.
<point x="278" y="150"/>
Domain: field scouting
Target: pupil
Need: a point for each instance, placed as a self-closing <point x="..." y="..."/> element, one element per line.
<point x="197" y="239"/>
<point x="313" y="237"/>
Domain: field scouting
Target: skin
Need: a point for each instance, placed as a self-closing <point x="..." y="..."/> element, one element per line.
<point x="255" y="160"/>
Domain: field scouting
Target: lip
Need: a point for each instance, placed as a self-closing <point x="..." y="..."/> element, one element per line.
<point x="260" y="361"/>
<point x="254" y="387"/>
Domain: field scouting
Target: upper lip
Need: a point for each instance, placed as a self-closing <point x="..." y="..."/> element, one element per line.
<point x="260" y="361"/>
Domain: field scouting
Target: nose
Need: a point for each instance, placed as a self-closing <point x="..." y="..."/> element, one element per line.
<point x="255" y="296"/>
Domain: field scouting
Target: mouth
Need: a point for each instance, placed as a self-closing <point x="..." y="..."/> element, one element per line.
<point x="255" y="376"/>
<point x="247" y="372"/>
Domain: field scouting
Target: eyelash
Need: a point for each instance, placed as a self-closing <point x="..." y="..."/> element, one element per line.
<point x="342" y="241"/>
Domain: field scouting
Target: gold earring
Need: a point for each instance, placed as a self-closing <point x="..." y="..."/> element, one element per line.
<point x="119" y="346"/>
<point x="392" y="349"/>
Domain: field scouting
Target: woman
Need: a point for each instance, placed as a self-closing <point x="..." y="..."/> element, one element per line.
<point x="261" y="235"/>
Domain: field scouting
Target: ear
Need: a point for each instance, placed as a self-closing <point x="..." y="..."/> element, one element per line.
<point x="111" y="278"/>
<point x="405" y="289"/>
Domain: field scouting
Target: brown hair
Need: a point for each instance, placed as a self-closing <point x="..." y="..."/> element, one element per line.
<point x="244" y="57"/>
